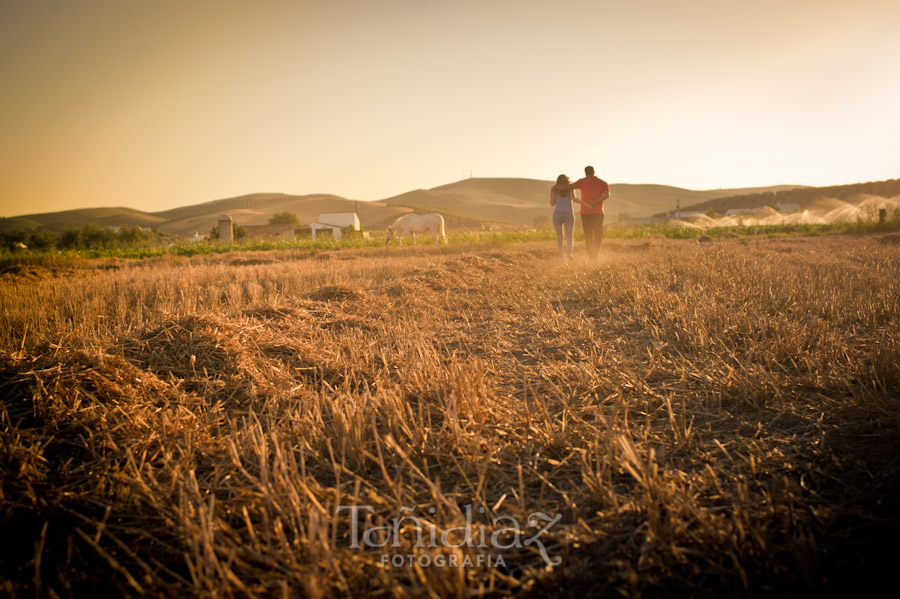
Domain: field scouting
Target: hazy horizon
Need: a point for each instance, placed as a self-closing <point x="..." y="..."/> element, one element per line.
<point x="202" y="201"/>
<point x="159" y="105"/>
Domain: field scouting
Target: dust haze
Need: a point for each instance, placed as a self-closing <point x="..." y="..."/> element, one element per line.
<point x="863" y="208"/>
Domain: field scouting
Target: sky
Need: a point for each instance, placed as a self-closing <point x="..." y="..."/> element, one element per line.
<point x="165" y="103"/>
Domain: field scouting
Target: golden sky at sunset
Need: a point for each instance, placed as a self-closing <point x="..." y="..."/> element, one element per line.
<point x="163" y="103"/>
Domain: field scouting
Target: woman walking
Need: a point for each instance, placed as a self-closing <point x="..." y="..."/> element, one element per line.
<point x="563" y="216"/>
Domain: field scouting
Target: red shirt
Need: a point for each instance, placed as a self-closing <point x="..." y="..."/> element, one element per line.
<point x="592" y="188"/>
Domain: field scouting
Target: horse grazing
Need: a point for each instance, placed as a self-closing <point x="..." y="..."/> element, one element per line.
<point x="410" y="224"/>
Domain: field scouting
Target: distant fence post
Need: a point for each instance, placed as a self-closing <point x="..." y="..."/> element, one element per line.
<point x="882" y="215"/>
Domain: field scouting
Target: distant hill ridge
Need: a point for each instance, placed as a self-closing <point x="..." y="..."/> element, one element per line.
<point x="244" y="202"/>
<point x="497" y="202"/>
<point x="520" y="201"/>
<point x="804" y="197"/>
<point x="66" y="219"/>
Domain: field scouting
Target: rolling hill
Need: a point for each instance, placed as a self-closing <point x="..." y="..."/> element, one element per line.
<point x="256" y="209"/>
<point x="641" y="201"/>
<point x="467" y="204"/>
<point x="251" y="209"/>
<point x="804" y="198"/>
<point x="519" y="201"/>
<point x="67" y="219"/>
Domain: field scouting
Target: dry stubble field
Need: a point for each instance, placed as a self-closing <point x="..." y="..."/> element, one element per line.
<point x="678" y="419"/>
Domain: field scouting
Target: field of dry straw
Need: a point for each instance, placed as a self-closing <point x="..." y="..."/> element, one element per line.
<point x="677" y="419"/>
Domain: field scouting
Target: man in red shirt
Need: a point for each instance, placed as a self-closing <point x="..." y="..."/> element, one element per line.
<point x="594" y="191"/>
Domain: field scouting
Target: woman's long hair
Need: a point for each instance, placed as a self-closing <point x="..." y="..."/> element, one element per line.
<point x="562" y="180"/>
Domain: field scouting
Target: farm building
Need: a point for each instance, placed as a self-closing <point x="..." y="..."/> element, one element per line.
<point x="334" y="223"/>
<point x="340" y="219"/>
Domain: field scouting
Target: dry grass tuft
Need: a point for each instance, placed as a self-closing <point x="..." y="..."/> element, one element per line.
<point x="20" y="271"/>
<point x="331" y="293"/>
<point x="250" y="261"/>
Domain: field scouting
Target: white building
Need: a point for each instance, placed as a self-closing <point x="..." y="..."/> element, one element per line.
<point x="340" y="219"/>
<point x="335" y="222"/>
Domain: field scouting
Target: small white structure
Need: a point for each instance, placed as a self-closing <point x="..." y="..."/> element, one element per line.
<point x="226" y="228"/>
<point x="335" y="222"/>
<point x="340" y="219"/>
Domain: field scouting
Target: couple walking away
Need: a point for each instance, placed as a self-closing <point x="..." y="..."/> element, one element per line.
<point x="594" y="192"/>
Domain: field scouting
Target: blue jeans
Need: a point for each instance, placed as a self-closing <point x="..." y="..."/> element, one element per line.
<point x="561" y="220"/>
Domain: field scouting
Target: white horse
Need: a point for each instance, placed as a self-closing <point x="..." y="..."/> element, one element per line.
<point x="410" y="224"/>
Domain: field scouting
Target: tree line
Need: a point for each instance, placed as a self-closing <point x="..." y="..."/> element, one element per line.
<point x="86" y="237"/>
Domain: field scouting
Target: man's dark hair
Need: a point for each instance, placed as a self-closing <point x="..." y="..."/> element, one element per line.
<point x="589" y="170"/>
